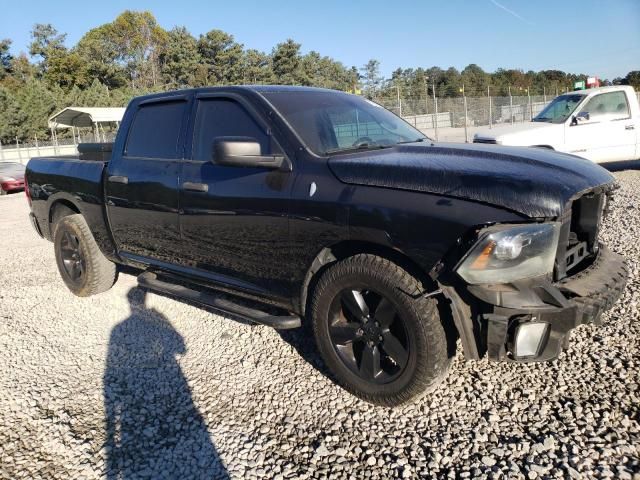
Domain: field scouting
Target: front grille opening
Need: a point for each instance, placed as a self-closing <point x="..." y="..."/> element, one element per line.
<point x="578" y="245"/>
<point x="582" y="244"/>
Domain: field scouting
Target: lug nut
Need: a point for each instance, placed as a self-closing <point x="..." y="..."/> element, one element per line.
<point x="359" y="331"/>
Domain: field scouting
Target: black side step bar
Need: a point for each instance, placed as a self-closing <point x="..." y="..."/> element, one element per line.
<point x="150" y="280"/>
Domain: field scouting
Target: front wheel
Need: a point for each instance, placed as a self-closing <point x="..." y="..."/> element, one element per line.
<point x="82" y="266"/>
<point x="381" y="339"/>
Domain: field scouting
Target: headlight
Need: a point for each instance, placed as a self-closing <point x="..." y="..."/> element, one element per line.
<point x="503" y="255"/>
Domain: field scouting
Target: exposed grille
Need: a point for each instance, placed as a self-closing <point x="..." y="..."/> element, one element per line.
<point x="484" y="140"/>
<point x="579" y="235"/>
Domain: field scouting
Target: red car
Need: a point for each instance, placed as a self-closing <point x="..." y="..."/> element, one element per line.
<point x="11" y="177"/>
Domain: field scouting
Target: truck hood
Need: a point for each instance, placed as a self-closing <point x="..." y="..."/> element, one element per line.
<point x="530" y="181"/>
<point x="524" y="134"/>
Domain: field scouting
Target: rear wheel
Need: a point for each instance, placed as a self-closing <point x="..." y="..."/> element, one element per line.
<point x="82" y="266"/>
<point x="383" y="341"/>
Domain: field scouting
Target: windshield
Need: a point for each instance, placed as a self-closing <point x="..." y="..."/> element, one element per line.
<point x="559" y="109"/>
<point x="333" y="122"/>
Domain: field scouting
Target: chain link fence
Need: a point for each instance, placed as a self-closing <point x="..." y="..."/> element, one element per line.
<point x="457" y="118"/>
<point x="450" y="116"/>
<point x="22" y="151"/>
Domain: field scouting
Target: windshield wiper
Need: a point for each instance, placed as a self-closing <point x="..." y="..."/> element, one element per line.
<point x="363" y="146"/>
<point x="421" y="139"/>
<point x="542" y="119"/>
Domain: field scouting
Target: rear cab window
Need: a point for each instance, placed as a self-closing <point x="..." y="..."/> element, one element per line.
<point x="155" y="130"/>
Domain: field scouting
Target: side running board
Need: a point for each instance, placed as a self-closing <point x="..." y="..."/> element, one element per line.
<point x="150" y="280"/>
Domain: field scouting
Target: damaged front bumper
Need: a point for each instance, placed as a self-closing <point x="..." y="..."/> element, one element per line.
<point x="532" y="321"/>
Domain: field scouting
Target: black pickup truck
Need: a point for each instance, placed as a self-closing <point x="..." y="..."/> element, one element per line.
<point x="323" y="208"/>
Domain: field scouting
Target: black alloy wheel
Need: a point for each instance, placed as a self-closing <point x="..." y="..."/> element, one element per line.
<point x="72" y="258"/>
<point x="369" y="335"/>
<point x="380" y="336"/>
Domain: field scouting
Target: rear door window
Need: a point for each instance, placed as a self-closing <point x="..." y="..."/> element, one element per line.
<point x="155" y="130"/>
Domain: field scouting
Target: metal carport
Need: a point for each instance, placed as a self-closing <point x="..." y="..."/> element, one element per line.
<point x="86" y="117"/>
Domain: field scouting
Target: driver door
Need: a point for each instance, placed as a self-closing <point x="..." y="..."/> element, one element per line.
<point x="600" y="132"/>
<point x="234" y="220"/>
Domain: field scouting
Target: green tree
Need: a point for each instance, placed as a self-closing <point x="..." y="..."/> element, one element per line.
<point x="180" y="58"/>
<point x="287" y="63"/>
<point x="256" y="68"/>
<point x="100" y="52"/>
<point x="45" y="43"/>
<point x="475" y="80"/>
<point x="5" y="58"/>
<point x="222" y="57"/>
<point x="66" y="70"/>
<point x="12" y="116"/>
<point x="139" y="41"/>
<point x="371" y="77"/>
<point x="633" y="79"/>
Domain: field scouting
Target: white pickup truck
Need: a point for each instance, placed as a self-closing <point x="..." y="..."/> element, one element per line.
<point x="600" y="124"/>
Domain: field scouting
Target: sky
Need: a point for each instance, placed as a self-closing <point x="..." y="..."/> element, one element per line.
<point x="595" y="37"/>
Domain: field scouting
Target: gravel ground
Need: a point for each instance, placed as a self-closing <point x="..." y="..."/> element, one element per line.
<point x="128" y="385"/>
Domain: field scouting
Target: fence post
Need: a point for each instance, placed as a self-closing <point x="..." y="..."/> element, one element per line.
<point x="426" y="96"/>
<point x="18" y="148"/>
<point x="489" y="97"/>
<point x="435" y="106"/>
<point x="510" y="105"/>
<point x="530" y="106"/>
<point x="544" y="94"/>
<point x="37" y="145"/>
<point x="466" y="118"/>
<point x="1" y="152"/>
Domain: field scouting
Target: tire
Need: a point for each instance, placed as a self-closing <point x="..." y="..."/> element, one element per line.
<point x="384" y="374"/>
<point x="82" y="266"/>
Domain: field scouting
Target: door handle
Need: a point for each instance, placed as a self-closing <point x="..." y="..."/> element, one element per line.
<point x="118" y="179"/>
<point x="195" y="187"/>
<point x="629" y="127"/>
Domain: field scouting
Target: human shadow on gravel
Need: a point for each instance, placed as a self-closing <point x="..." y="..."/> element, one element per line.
<point x="153" y="428"/>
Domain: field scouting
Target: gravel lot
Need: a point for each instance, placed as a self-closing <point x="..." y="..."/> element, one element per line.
<point x="128" y="385"/>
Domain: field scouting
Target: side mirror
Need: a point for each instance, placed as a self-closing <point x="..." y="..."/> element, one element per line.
<point x="581" y="117"/>
<point x="244" y="152"/>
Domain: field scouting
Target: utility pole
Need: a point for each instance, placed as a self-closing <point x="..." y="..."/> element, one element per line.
<point x="530" y="106"/>
<point x="399" y="101"/>
<point x="544" y="94"/>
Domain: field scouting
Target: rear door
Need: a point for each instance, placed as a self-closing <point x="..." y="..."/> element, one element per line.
<point x="234" y="220"/>
<point x="608" y="134"/>
<point x="142" y="181"/>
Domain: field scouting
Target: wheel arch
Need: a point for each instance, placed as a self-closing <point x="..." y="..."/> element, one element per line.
<point x="60" y="208"/>
<point x="347" y="248"/>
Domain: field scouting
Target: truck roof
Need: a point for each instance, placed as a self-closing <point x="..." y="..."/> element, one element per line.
<point x="610" y="88"/>
<point x="242" y="88"/>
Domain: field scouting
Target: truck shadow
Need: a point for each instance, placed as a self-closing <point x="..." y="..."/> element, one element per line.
<point x="153" y="427"/>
